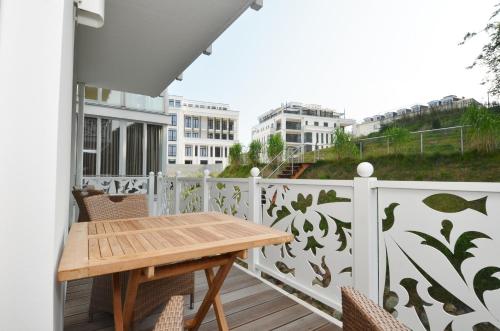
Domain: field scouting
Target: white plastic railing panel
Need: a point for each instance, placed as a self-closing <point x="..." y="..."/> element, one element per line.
<point x="229" y="196"/>
<point x="320" y="216"/>
<point x="191" y="195"/>
<point x="166" y="196"/>
<point x="118" y="185"/>
<point x="439" y="256"/>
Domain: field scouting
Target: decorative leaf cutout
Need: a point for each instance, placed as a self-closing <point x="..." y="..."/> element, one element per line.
<point x="288" y="248"/>
<point x="281" y="214"/>
<point x="485" y="326"/>
<point x="271" y="208"/>
<point x="302" y="203"/>
<point x="237" y="193"/>
<point x="263" y="251"/>
<point x="220" y="186"/>
<point x="346" y="269"/>
<point x="484" y="281"/>
<point x="323" y="224"/>
<point x="451" y="203"/>
<point x="312" y="244"/>
<point x="451" y="304"/>
<point x="446" y="230"/>
<point x="461" y="251"/>
<point x="220" y="201"/>
<point x="388" y="221"/>
<point x="282" y="252"/>
<point x="390" y="299"/>
<point x="449" y="327"/>
<point x="308" y="227"/>
<point x="294" y="230"/>
<point x="324" y="278"/>
<point x="341" y="232"/>
<point x="329" y="197"/>
<point x="283" y="268"/>
<point x="415" y="301"/>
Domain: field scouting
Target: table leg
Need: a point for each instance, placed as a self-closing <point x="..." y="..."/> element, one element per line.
<point x="130" y="296"/>
<point x="217" y="304"/>
<point x="117" y="302"/>
<point x="213" y="290"/>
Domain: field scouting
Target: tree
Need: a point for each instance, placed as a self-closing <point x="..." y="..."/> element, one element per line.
<point x="254" y="150"/>
<point x="490" y="54"/>
<point x="275" y="146"/>
<point x="343" y="145"/>
<point x="484" y="128"/>
<point x="235" y="154"/>
<point x="398" y="137"/>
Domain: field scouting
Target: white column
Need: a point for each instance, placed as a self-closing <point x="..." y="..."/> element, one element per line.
<point x="254" y="196"/>
<point x="36" y="44"/>
<point x="151" y="193"/>
<point x="79" y="134"/>
<point x="144" y="148"/>
<point x="98" y="148"/>
<point x="206" y="192"/>
<point x="365" y="233"/>
<point x="177" y="187"/>
<point x="123" y="148"/>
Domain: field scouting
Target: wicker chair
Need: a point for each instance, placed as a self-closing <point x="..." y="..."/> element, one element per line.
<point x="361" y="314"/>
<point x="171" y="319"/>
<point x="79" y="195"/>
<point x="150" y="295"/>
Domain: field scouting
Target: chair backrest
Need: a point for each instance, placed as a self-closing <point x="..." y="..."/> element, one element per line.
<point x="360" y="313"/>
<point x="79" y="196"/>
<point x="108" y="207"/>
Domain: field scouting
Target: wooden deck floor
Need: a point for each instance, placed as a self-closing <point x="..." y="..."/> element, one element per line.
<point x="248" y="303"/>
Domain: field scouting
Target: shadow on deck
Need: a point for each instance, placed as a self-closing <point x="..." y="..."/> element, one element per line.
<point x="248" y="303"/>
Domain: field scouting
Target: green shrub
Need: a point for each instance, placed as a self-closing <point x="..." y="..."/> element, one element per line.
<point x="275" y="146"/>
<point x="484" y="128"/>
<point x="254" y="150"/>
<point x="398" y="138"/>
<point x="235" y="154"/>
<point x="343" y="145"/>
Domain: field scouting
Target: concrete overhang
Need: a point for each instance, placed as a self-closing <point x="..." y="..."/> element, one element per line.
<point x="144" y="45"/>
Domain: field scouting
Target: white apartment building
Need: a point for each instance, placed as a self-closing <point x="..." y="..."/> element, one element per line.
<point x="129" y="134"/>
<point x="307" y="126"/>
<point x="201" y="132"/>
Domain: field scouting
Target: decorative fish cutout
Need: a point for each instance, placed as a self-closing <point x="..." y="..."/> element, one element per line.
<point x="450" y="203"/>
<point x="282" y="267"/>
<point x="324" y="278"/>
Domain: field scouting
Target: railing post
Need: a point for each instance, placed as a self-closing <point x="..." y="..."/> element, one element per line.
<point x="462" y="140"/>
<point x="361" y="150"/>
<point x="177" y="193"/>
<point x="365" y="233"/>
<point x="159" y="208"/>
<point x="422" y="143"/>
<point x="254" y="197"/>
<point x="205" y="189"/>
<point x="151" y="193"/>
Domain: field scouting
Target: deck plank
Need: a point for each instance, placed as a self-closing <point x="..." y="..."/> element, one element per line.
<point x="248" y="303"/>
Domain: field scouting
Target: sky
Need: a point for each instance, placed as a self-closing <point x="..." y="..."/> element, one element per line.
<point x="364" y="57"/>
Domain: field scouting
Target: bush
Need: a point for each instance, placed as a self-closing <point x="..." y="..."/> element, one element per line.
<point x="254" y="150"/>
<point x="235" y="154"/>
<point x="343" y="145"/>
<point x="275" y="146"/>
<point x="399" y="138"/>
<point x="484" y="128"/>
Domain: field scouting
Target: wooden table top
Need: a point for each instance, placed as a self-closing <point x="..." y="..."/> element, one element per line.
<point x="105" y="247"/>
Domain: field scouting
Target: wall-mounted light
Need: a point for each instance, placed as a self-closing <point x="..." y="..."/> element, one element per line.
<point x="90" y="12"/>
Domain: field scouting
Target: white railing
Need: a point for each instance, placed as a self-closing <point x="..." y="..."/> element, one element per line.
<point x="118" y="185"/>
<point x="425" y="251"/>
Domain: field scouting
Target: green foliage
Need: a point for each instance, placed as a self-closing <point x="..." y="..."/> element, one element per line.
<point x="485" y="128"/>
<point x="398" y="138"/>
<point x="343" y="145"/>
<point x="275" y="146"/>
<point x="254" y="150"/>
<point x="235" y="154"/>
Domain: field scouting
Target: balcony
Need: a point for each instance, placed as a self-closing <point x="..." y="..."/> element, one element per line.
<point x="330" y="250"/>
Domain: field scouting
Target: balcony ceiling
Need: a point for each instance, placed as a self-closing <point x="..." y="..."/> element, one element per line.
<point x="145" y="44"/>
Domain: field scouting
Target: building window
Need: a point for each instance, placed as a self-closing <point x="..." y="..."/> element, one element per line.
<point x="203" y="161"/>
<point x="203" y="151"/>
<point x="217" y="135"/>
<point x="210" y="136"/>
<point x="217" y="152"/>
<point x="89" y="146"/>
<point x="171" y="161"/>
<point x="195" y="150"/>
<point x="188" y="162"/>
<point x="225" y="151"/>
<point x="316" y="124"/>
<point x="325" y="124"/>
<point x="210" y="123"/>
<point x="177" y="103"/>
<point x="171" y="103"/>
<point x="196" y="122"/>
<point x="187" y="134"/>
<point x="135" y="145"/>
<point x="231" y="136"/>
<point x="322" y="138"/>
<point x="307" y="122"/>
<point x="224" y="136"/>
<point x="110" y="147"/>
<point x="317" y="138"/>
<point x="211" y="151"/>
<point x="189" y="150"/>
<point x="174" y="119"/>
<point x="195" y="135"/>
<point x="187" y="122"/>
<point x="218" y="162"/>
<point x="217" y="124"/>
<point x="224" y="124"/>
<point x="231" y="125"/>
<point x="172" y="150"/>
<point x="172" y="135"/>
<point x="153" y="150"/>
<point x="308" y="138"/>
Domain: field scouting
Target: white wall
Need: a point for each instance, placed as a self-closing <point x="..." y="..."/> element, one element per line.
<point x="36" y="73"/>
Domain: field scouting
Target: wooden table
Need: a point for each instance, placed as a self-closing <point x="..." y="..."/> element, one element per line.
<point x="157" y="247"/>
